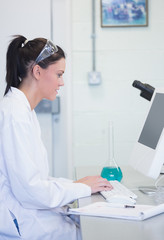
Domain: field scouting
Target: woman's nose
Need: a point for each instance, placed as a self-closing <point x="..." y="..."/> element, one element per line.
<point x="61" y="82"/>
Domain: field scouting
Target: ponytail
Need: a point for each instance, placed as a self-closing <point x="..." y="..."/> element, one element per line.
<point x="13" y="63"/>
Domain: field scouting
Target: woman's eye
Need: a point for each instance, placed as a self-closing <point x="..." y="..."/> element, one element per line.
<point x="59" y="75"/>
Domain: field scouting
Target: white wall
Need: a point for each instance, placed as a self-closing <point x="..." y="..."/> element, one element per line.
<point x="123" y="55"/>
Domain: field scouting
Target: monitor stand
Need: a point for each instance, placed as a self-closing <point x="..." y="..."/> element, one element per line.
<point x="149" y="190"/>
<point x="162" y="169"/>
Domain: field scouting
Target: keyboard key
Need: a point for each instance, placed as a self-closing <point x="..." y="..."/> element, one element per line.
<point x="118" y="189"/>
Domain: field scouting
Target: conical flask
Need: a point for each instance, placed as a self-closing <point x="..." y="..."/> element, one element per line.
<point x="111" y="171"/>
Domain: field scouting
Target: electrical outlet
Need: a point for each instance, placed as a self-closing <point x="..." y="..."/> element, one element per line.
<point x="94" y="78"/>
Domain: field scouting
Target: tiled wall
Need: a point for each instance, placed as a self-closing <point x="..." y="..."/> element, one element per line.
<point x="123" y="55"/>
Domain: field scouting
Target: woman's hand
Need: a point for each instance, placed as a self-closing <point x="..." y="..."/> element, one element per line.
<point x="96" y="183"/>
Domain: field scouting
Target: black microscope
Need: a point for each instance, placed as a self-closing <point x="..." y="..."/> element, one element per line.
<point x="146" y="90"/>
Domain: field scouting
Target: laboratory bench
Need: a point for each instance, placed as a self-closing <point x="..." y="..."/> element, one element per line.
<point x="98" y="228"/>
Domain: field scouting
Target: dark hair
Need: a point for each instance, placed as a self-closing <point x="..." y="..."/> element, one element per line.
<point x="21" y="56"/>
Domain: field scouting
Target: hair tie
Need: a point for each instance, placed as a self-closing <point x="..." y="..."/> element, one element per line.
<point x="25" y="42"/>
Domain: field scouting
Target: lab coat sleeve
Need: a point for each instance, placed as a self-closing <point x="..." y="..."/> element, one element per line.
<point x="60" y="179"/>
<point x="31" y="188"/>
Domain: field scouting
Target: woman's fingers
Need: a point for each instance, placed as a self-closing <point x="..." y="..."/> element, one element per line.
<point x="97" y="183"/>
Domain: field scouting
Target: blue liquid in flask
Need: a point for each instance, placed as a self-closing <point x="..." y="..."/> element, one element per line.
<point x="112" y="173"/>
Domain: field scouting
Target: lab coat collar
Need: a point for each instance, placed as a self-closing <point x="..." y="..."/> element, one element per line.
<point x="19" y="95"/>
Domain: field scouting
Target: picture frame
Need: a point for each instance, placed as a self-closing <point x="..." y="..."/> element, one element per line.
<point x="124" y="13"/>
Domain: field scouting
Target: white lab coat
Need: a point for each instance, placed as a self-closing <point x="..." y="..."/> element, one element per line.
<point x="26" y="190"/>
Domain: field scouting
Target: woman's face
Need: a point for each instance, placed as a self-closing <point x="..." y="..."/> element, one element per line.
<point x="51" y="79"/>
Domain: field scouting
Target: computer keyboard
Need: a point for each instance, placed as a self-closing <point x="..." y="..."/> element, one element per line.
<point x="118" y="189"/>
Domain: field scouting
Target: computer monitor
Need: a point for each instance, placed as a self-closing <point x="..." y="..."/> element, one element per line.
<point x="148" y="153"/>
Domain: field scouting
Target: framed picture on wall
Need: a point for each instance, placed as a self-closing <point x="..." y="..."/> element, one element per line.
<point x="124" y="13"/>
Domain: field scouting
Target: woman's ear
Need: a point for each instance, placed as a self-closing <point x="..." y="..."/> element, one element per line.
<point x="36" y="71"/>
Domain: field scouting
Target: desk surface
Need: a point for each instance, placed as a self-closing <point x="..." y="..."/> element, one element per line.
<point x="107" y="228"/>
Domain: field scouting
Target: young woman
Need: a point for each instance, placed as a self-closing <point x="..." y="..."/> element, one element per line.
<point x="33" y="202"/>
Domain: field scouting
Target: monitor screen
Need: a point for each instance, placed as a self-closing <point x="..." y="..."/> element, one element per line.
<point x="148" y="153"/>
<point x="154" y="123"/>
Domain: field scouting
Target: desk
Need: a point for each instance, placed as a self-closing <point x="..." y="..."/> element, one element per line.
<point x="106" y="228"/>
